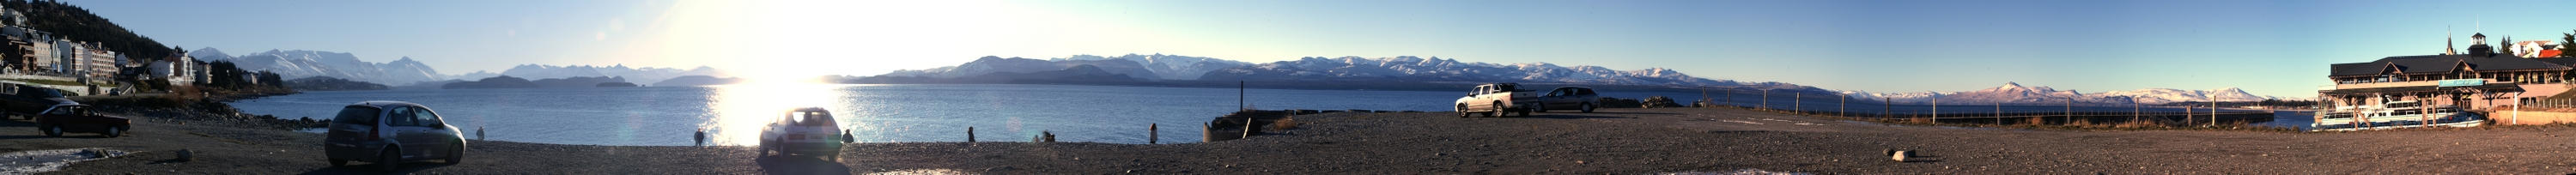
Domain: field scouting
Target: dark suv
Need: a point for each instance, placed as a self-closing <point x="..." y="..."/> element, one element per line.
<point x="30" y="101"/>
<point x="388" y="133"/>
<point x="1569" y="97"/>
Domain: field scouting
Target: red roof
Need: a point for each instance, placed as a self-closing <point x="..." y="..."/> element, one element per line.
<point x="2547" y="53"/>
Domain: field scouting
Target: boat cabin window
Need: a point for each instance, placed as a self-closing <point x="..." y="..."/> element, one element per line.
<point x="2400" y="105"/>
<point x="2406" y="112"/>
<point x="2446" y="110"/>
<point x="2339" y="115"/>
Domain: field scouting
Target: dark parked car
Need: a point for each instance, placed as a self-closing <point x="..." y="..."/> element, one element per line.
<point x="389" y="133"/>
<point x="803" y="131"/>
<point x="1568" y="98"/>
<point x="77" y="118"/>
<point x="27" y="100"/>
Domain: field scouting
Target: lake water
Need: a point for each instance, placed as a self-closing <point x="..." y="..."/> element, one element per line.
<point x="876" y="113"/>
<point x="899" y="113"/>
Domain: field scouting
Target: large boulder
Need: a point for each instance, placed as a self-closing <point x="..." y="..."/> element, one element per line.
<point x="1659" y="102"/>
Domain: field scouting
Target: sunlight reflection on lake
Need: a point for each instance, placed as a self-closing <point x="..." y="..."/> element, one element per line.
<point x="743" y="110"/>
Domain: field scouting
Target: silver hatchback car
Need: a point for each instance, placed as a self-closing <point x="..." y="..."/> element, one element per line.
<point x="388" y="133"/>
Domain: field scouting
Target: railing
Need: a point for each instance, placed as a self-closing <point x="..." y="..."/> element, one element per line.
<point x="1974" y="113"/>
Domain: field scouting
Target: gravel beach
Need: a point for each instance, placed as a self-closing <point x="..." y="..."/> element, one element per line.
<point x="1621" y="141"/>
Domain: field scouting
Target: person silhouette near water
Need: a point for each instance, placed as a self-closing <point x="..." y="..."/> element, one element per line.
<point x="702" y="137"/>
<point x="478" y="132"/>
<point x="845" y="137"/>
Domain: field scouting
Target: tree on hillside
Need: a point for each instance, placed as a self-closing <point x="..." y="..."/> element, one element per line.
<point x="271" y="79"/>
<point x="223" y="74"/>
<point x="77" y="24"/>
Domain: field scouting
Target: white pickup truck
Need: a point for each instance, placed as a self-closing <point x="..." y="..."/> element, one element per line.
<point x="1494" y="99"/>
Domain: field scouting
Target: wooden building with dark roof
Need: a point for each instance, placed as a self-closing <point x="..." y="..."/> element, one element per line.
<point x="2473" y="81"/>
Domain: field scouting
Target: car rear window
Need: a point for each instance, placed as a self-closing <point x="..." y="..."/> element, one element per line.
<point x="357" y="115"/>
<point x="47" y="93"/>
<point x="815" y="119"/>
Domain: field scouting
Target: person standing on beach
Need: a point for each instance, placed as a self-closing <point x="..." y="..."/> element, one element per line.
<point x="702" y="137"/>
<point x="846" y="138"/>
<point x="478" y="133"/>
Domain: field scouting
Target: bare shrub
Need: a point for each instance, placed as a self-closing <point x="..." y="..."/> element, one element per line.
<point x="1284" y="124"/>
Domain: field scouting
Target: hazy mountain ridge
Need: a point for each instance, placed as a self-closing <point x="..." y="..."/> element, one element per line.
<point x="994" y="64"/>
<point x="632" y="74"/>
<point x="1410" y="68"/>
<point x="2015" y="93"/>
<point x="405" y="70"/>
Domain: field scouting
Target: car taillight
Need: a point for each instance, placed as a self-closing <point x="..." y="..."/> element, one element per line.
<point x="372" y="135"/>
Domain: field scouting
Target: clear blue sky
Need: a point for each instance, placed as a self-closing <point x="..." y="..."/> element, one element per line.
<point x="2266" y="47"/>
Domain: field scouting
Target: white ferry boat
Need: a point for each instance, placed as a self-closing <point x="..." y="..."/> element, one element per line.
<point x="2394" y="115"/>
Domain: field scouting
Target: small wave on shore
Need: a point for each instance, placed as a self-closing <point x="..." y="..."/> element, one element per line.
<point x="1736" y="172"/>
<point x="921" y="172"/>
<point x="38" y="161"/>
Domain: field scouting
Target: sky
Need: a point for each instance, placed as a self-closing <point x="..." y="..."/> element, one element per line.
<point x="2276" y="48"/>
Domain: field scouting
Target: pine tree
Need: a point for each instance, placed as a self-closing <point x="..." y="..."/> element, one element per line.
<point x="2507" y="46"/>
<point x="2564" y="42"/>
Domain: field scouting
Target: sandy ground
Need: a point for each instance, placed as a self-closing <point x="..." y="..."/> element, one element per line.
<point x="1622" y="141"/>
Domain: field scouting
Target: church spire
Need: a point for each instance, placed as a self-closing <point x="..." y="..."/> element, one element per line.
<point x="2448" y="48"/>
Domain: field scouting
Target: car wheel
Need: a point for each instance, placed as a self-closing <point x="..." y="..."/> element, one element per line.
<point x="1462" y="110"/>
<point x="1587" y="107"/>
<point x="1541" y="107"/>
<point x="1498" y="110"/>
<point x="339" y="162"/>
<point x="1524" y="112"/>
<point x="456" y="154"/>
<point x="389" y="159"/>
<point x="113" y="132"/>
<point x="765" y="150"/>
<point x="53" y="131"/>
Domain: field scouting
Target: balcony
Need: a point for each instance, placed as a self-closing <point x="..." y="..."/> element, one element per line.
<point x="2402" y="84"/>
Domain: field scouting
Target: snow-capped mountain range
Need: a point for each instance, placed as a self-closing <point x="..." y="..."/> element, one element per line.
<point x="294" y="64"/>
<point x="1435" y="69"/>
<point x="1168" y="67"/>
<point x="1160" y="67"/>
<point x="2015" y="93"/>
<point x="995" y="64"/>
<point x="307" y="63"/>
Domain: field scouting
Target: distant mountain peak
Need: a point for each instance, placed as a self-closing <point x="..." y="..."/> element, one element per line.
<point x="2014" y="92"/>
<point x="1436" y="69"/>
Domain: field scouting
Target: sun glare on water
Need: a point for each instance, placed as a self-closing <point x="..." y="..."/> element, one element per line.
<point x="743" y="109"/>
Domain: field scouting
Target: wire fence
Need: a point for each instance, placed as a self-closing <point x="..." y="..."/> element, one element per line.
<point x="2061" y="112"/>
